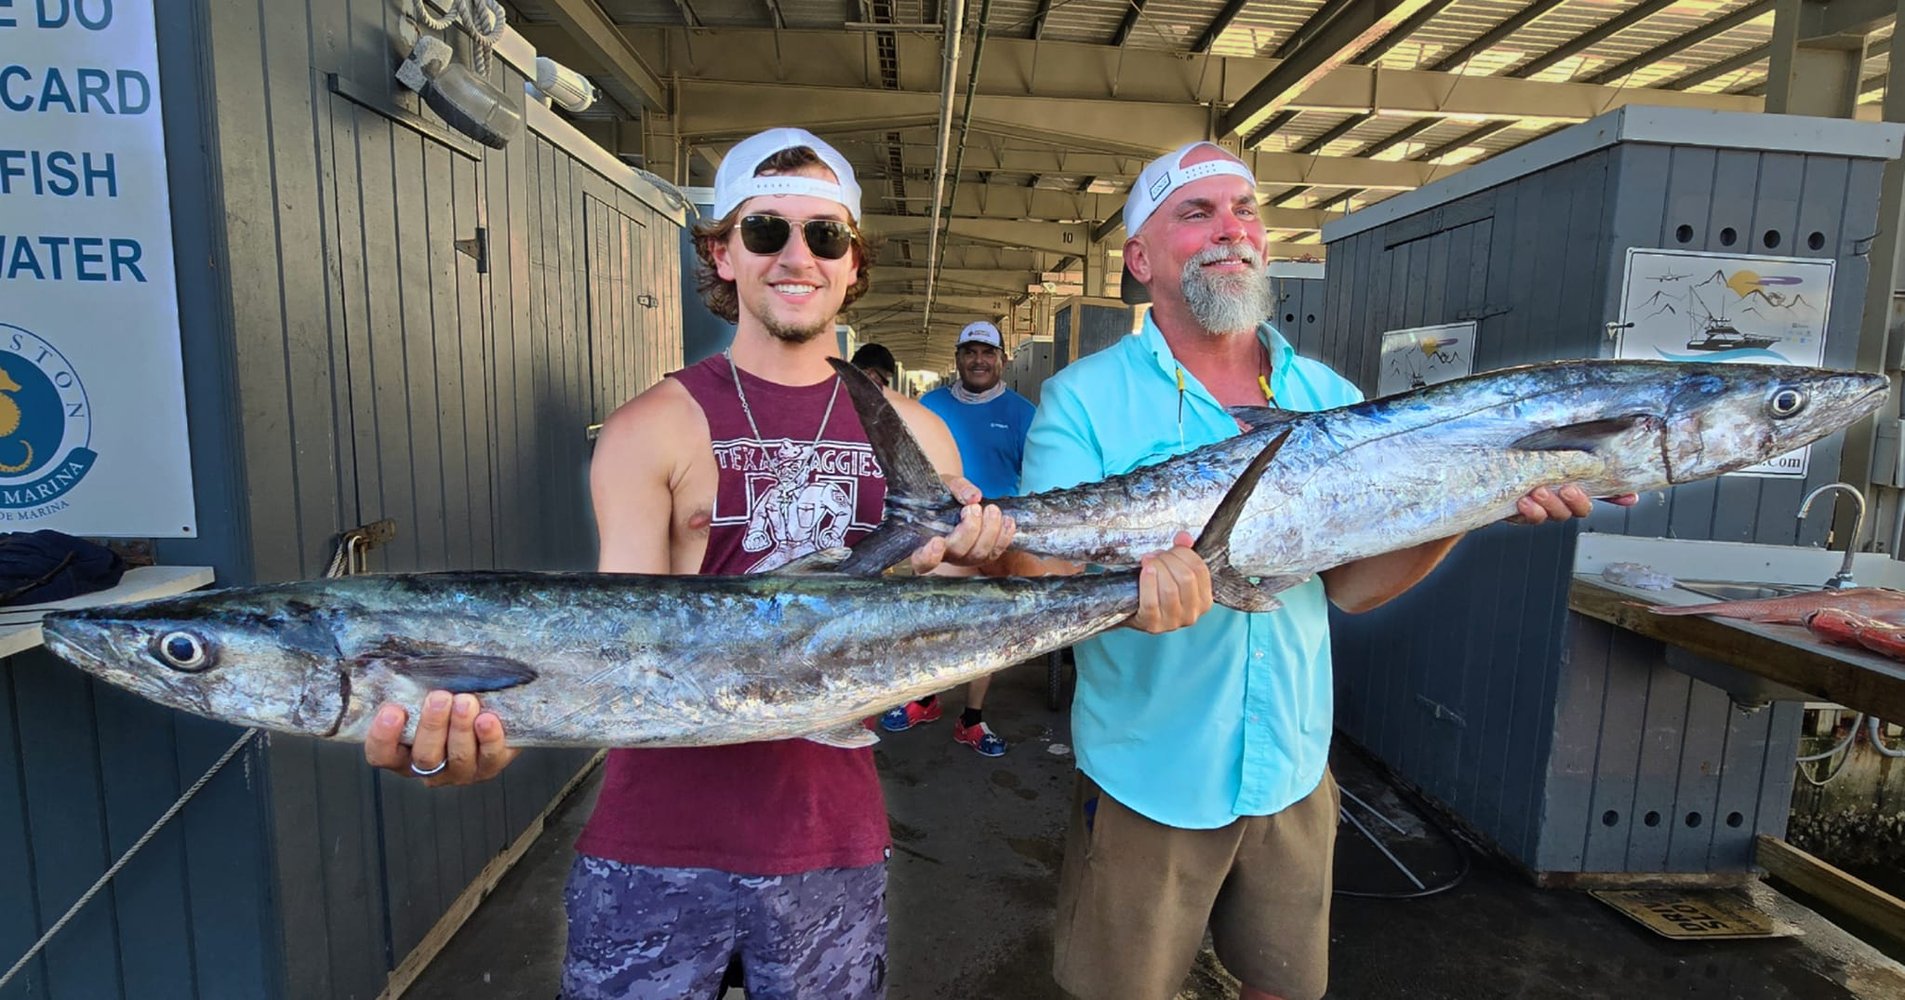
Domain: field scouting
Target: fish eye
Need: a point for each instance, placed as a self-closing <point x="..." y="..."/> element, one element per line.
<point x="182" y="651"/>
<point x="1786" y="402"/>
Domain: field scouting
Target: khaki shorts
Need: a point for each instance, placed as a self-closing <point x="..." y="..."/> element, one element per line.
<point x="1134" y="897"/>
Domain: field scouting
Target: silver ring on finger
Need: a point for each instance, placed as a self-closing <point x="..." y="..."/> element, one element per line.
<point x="422" y="773"/>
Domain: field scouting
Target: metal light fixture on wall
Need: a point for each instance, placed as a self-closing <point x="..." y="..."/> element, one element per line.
<point x="458" y="93"/>
<point x="465" y="101"/>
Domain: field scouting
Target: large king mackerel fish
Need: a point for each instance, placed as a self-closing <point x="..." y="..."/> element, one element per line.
<point x="1390" y="473"/>
<point x="599" y="659"/>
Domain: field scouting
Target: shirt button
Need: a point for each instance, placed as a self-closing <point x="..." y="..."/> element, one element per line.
<point x="1258" y="654"/>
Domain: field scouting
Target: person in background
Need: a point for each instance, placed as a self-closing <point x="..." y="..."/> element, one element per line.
<point x="878" y="363"/>
<point x="988" y="421"/>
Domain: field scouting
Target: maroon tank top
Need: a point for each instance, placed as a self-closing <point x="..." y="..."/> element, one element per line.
<point x="783" y="806"/>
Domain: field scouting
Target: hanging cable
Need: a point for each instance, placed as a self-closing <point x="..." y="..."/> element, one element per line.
<point x="348" y="557"/>
<point x="1874" y="733"/>
<point x="73" y="911"/>
<point x="955" y="19"/>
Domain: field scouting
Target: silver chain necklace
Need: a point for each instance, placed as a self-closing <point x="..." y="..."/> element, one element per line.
<point x="735" y="371"/>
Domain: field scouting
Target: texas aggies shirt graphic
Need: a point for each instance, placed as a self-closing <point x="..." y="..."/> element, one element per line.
<point x="800" y="497"/>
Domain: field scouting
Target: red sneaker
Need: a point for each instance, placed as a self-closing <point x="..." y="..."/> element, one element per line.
<point x="899" y="720"/>
<point x="980" y="738"/>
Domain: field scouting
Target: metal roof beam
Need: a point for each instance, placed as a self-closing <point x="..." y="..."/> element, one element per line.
<point x="1710" y="30"/>
<point x="1719" y="69"/>
<point x="1218" y="25"/>
<point x="1381" y="46"/>
<point x="1133" y="12"/>
<point x="1844" y="17"/>
<point x="1590" y="38"/>
<point x="1050" y="237"/>
<point x="603" y="41"/>
<point x="1360" y="23"/>
<point x="1490" y="38"/>
<point x="713" y="110"/>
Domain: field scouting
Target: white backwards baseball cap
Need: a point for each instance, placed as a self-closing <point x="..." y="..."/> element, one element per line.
<point x="735" y="182"/>
<point x="981" y="332"/>
<point x="1153" y="187"/>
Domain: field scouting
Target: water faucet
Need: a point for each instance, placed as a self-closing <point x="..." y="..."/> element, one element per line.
<point x="1843" y="578"/>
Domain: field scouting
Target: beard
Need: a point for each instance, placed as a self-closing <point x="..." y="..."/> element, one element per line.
<point x="793" y="334"/>
<point x="1224" y="304"/>
<point x="786" y="329"/>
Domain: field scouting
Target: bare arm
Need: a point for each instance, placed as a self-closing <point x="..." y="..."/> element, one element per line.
<point x="639" y="464"/>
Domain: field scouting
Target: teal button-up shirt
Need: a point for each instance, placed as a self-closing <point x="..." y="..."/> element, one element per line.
<point x="1232" y="716"/>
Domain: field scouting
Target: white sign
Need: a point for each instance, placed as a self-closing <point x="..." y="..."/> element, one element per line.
<point x="1425" y="355"/>
<point x="92" y="394"/>
<point x="1679" y="305"/>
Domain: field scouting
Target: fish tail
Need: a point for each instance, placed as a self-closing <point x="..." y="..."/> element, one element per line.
<point x="912" y="484"/>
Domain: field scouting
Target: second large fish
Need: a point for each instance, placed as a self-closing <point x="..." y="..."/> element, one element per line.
<point x="1394" y="472"/>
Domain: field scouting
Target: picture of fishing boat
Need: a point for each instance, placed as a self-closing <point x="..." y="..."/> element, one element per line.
<point x="1721" y="335"/>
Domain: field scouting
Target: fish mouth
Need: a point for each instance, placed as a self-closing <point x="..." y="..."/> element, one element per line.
<point x="56" y="633"/>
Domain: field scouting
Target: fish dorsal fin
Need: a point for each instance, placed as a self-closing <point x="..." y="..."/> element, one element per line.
<point x="1229" y="587"/>
<point x="910" y="476"/>
<point x="823" y="561"/>
<point x="437" y="667"/>
<point x="1589" y="435"/>
<point x="912" y="484"/>
<point x="851" y="736"/>
<point x="1259" y="417"/>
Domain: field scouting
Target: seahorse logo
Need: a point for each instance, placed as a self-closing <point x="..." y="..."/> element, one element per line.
<point x="45" y="425"/>
<point x="10" y="423"/>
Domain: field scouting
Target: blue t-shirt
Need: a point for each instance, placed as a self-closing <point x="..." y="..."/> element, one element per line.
<point x="990" y="435"/>
<point x="1231" y="716"/>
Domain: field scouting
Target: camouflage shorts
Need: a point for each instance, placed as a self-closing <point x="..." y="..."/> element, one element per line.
<point x="639" y="933"/>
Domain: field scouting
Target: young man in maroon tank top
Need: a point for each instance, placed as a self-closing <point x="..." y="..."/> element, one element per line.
<point x="770" y="854"/>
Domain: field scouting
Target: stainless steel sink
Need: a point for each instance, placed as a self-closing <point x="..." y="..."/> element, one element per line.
<point x="1720" y="591"/>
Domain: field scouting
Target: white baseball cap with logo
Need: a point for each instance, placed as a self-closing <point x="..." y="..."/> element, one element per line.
<point x="1154" y="186"/>
<point x="980" y="332"/>
<point x="735" y="180"/>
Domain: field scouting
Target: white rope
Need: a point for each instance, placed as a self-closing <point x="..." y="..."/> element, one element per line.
<point x="73" y="910"/>
<point x="485" y="20"/>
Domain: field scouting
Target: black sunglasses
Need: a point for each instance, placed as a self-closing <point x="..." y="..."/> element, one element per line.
<point x="767" y="234"/>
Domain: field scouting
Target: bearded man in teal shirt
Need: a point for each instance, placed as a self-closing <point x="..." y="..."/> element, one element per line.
<point x="1204" y="797"/>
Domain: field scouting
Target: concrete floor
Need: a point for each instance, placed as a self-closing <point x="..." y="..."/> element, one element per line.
<point x="977" y="844"/>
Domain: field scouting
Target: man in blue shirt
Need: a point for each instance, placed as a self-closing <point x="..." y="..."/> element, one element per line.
<point x="988" y="422"/>
<point x="1204" y="796"/>
<point x="987" y="419"/>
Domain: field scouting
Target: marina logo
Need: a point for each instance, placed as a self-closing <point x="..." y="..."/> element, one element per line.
<point x="46" y="424"/>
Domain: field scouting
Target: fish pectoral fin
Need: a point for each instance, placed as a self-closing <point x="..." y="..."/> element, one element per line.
<point x="823" y="561"/>
<point x="852" y="736"/>
<point x="1235" y="591"/>
<point x="459" y="674"/>
<point x="1589" y="435"/>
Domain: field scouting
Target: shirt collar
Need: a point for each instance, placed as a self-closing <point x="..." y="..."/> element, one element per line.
<point x="1151" y="341"/>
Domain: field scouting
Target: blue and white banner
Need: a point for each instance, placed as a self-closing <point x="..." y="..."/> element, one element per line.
<point x="92" y="397"/>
